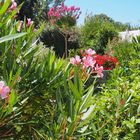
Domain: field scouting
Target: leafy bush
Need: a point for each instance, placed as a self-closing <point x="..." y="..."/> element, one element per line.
<point x="24" y="71"/>
<point x="55" y="38"/>
<point x="96" y="33"/>
<point x="124" y="51"/>
<point x="116" y="112"/>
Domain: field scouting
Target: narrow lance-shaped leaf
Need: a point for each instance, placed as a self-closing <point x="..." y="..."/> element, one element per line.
<point x="4" y="7"/>
<point x="86" y="99"/>
<point x="11" y="37"/>
<point x="74" y="89"/>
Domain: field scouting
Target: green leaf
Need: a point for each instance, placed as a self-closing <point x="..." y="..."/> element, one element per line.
<point x="71" y="128"/>
<point x="88" y="115"/>
<point x="74" y="90"/>
<point x="138" y="121"/>
<point x="86" y="99"/>
<point x="5" y="6"/>
<point x="11" y="37"/>
<point x="13" y="79"/>
<point x="78" y="81"/>
<point x="13" y="98"/>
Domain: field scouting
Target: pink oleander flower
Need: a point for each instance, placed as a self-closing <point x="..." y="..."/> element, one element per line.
<point x="76" y="60"/>
<point x="66" y="9"/>
<point x="52" y="9"/>
<point x="88" y="61"/>
<point x="4" y="90"/>
<point x="90" y="52"/>
<point x="99" y="70"/>
<point x="20" y="26"/>
<point x="13" y="6"/>
<point x="29" y="22"/>
<point x="62" y="4"/>
<point x="72" y="8"/>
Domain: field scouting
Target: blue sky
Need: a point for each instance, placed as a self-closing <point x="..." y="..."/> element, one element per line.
<point x="126" y="11"/>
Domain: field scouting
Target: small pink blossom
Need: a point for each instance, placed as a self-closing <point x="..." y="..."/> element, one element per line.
<point x="57" y="15"/>
<point x="66" y="9"/>
<point x="62" y="4"/>
<point x="72" y="8"/>
<point x="4" y="90"/>
<point x="13" y="6"/>
<point x="29" y="22"/>
<point x="90" y="52"/>
<point x="52" y="9"/>
<point x="88" y="61"/>
<point x="99" y="70"/>
<point x="20" y="26"/>
<point x="75" y="60"/>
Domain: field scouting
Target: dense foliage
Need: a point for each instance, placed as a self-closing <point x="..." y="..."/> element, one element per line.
<point x="98" y="30"/>
<point x="117" y="114"/>
<point x="96" y="33"/>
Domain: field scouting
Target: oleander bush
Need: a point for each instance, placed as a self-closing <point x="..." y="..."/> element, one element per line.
<point x="38" y="100"/>
<point x="25" y="68"/>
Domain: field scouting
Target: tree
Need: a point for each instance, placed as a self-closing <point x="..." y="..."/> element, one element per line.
<point x="37" y="10"/>
<point x="97" y="31"/>
<point x="103" y="18"/>
<point x="118" y="25"/>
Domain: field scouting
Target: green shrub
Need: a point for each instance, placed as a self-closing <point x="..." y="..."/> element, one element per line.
<point x="55" y="38"/>
<point x="117" y="112"/>
<point x="33" y="74"/>
<point x="124" y="51"/>
<point x="96" y="33"/>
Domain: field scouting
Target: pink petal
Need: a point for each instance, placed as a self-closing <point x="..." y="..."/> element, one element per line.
<point x="90" y="51"/>
<point x="7" y="89"/>
<point x="4" y="92"/>
<point x="77" y="58"/>
<point x="20" y="26"/>
<point x="99" y="70"/>
<point x="29" y="22"/>
<point x="3" y="95"/>
<point x="72" y="60"/>
<point x="13" y="6"/>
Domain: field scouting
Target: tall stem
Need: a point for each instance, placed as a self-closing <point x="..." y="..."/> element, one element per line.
<point x="66" y="46"/>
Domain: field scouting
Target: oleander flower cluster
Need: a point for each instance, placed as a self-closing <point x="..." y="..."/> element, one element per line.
<point x="87" y="62"/>
<point x="29" y="22"/>
<point x="92" y="63"/>
<point x="108" y="62"/>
